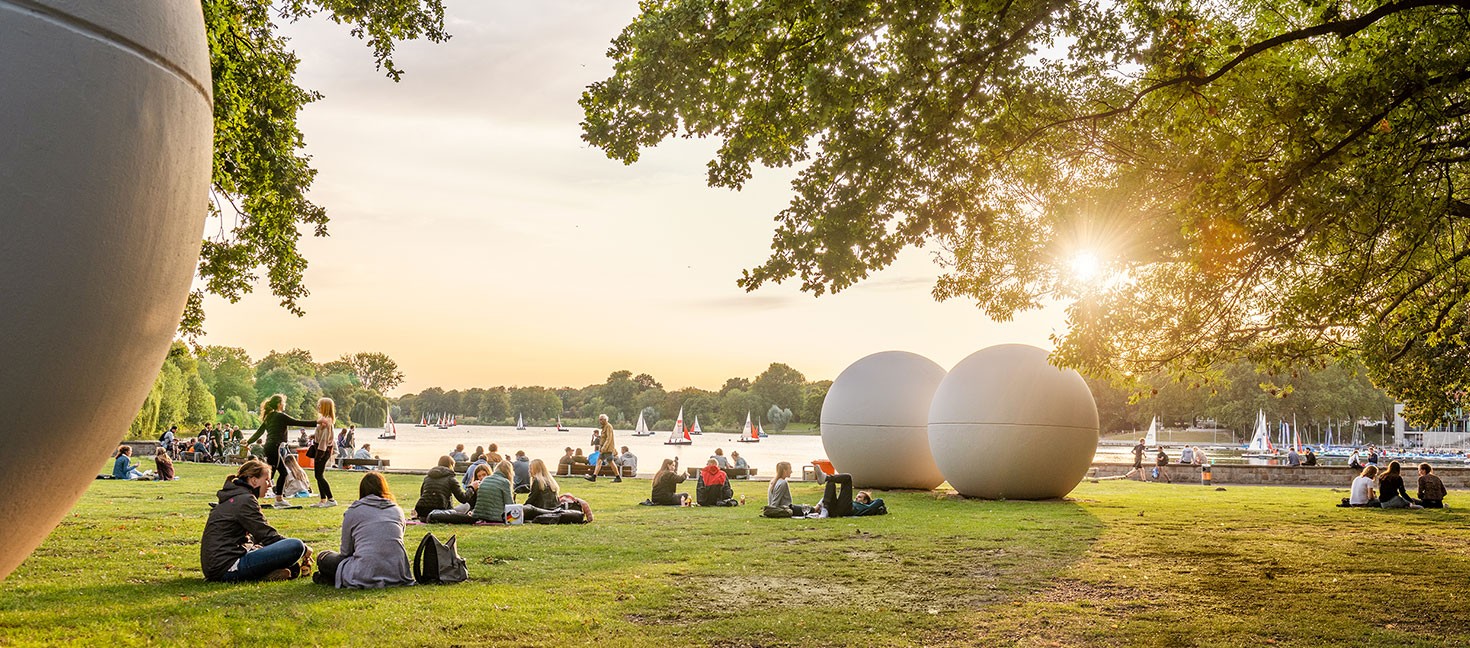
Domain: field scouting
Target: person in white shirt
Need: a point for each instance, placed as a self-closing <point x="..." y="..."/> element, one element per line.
<point x="1363" y="488"/>
<point x="628" y="460"/>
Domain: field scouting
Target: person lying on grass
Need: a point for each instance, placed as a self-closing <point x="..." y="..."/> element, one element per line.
<point x="372" y="552"/>
<point x="238" y="544"/>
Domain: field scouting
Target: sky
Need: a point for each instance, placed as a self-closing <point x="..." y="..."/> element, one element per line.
<point x="477" y="241"/>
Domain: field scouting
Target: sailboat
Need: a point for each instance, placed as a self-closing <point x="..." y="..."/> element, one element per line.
<point x="760" y="430"/>
<point x="559" y="427"/>
<point x="1261" y="442"/>
<point x="642" y="428"/>
<point x="695" y="429"/>
<point x="444" y="423"/>
<point x="1296" y="437"/>
<point x="390" y="431"/>
<point x="423" y="421"/>
<point x="679" y="436"/>
<point x="520" y="422"/>
<point x="1151" y="439"/>
<point x="748" y="432"/>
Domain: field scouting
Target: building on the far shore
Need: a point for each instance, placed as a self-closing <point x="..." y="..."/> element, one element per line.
<point x="1453" y="431"/>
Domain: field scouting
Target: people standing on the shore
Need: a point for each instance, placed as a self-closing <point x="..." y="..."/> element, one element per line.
<point x="1391" y="493"/>
<point x="1137" y="461"/>
<point x="273" y="424"/>
<point x="320" y="450"/>
<point x="1431" y="489"/>
<point x="458" y="454"/>
<point x="665" y="481"/>
<point x="236" y="525"/>
<point x="372" y="553"/>
<point x="1362" y="491"/>
<point x="606" y="452"/>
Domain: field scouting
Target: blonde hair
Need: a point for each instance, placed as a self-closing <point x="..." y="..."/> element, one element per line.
<point x="272" y="403"/>
<point x="541" y="475"/>
<point x="783" y="470"/>
<point x="505" y="470"/>
<point x="327" y="408"/>
<point x="294" y="468"/>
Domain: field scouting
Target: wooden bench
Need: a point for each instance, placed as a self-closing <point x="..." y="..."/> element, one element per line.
<point x="347" y="464"/>
<point x="732" y="473"/>
<point x="575" y="470"/>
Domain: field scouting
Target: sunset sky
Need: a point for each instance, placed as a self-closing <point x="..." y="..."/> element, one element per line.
<point x="478" y="241"/>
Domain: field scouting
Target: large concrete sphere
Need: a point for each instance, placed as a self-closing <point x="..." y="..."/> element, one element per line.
<point x="875" y="421"/>
<point x="1005" y="424"/>
<point x="105" y="138"/>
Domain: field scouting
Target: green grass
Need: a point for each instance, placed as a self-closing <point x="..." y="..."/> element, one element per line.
<point x="1122" y="563"/>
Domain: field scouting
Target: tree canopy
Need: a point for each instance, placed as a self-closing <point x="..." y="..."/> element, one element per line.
<point x="260" y="178"/>
<point x="1280" y="181"/>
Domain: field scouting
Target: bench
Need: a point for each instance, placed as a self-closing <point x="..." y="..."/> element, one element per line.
<point x="347" y="464"/>
<point x="732" y="473"/>
<point x="573" y="470"/>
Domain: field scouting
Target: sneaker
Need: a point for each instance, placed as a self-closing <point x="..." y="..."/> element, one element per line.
<point x="321" y="504"/>
<point x="591" y="478"/>
<point x="617" y="480"/>
<point x="278" y="575"/>
<point x="331" y="502"/>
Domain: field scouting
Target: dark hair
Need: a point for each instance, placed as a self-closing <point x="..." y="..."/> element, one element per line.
<point x="446" y="461"/>
<point x="124" y="450"/>
<point x="1425" y="467"/>
<point x="1393" y="467"/>
<point x="373" y="483"/>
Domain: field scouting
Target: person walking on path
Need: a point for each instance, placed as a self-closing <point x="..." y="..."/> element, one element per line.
<point x="273" y="424"/>
<point x="606" y="452"/>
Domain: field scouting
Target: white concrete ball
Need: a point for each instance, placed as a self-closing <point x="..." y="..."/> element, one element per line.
<point x="1005" y="424"/>
<point x="875" y="421"/>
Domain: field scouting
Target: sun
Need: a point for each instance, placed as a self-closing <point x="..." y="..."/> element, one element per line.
<point x="1086" y="266"/>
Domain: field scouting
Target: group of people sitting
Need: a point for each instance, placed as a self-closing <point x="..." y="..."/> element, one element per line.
<point x="239" y="545"/>
<point x="213" y="444"/>
<point x="1385" y="489"/>
<point x="124" y="468"/>
<point x="488" y="489"/>
<point x="837" y="498"/>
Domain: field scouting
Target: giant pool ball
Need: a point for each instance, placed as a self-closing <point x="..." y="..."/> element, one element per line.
<point x="105" y="133"/>
<point x="1005" y="424"/>
<point x="875" y="421"/>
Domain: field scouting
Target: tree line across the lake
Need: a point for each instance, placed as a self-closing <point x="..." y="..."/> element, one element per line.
<point x="220" y="384"/>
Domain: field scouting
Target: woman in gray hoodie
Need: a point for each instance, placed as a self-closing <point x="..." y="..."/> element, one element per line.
<point x="372" y="553"/>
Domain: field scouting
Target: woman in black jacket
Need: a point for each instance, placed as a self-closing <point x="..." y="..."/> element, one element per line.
<point x="236" y="524"/>
<point x="1391" y="493"/>
<point x="664" y="481"/>
<point x="440" y="485"/>
<point x="273" y="424"/>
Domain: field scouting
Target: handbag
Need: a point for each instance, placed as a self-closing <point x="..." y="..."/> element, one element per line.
<point x="438" y="563"/>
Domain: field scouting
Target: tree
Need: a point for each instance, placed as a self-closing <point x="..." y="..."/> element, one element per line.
<point x="618" y="392"/>
<point x="645" y="381"/>
<point x="259" y="176"/>
<point x="742" y="384"/>
<point x="778" y="417"/>
<point x="1276" y="181"/>
<point x="813" y="397"/>
<point x="780" y="385"/>
<point x="377" y="371"/>
<point x="494" y="405"/>
<point x="229" y="373"/>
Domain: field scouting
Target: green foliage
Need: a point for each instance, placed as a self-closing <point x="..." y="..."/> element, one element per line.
<point x="179" y="396"/>
<point x="777" y="418"/>
<point x="780" y="385"/>
<point x="813" y="397"/>
<point x="260" y="178"/>
<point x="376" y="371"/>
<point x="1278" y="181"/>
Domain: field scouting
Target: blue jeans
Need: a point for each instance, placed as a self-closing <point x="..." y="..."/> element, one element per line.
<point x="256" y="564"/>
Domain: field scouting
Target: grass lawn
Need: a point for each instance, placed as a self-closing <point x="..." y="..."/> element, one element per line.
<point x="1122" y="563"/>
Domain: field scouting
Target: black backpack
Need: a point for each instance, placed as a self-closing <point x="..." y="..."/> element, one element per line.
<point x="438" y="563"/>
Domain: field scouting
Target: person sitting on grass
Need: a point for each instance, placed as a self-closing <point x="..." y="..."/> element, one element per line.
<point x="778" y="494"/>
<point x="665" y="481"/>
<point x="238" y="544"/>
<point x="1431" y="489"/>
<point x="372" y="554"/>
<point x="494" y="493"/>
<point x="296" y="485"/>
<point x="1391" y="493"/>
<point x="1362" y="494"/>
<point x="864" y="504"/>
<point x="492" y="456"/>
<point x="469" y="473"/>
<point x="123" y="466"/>
<point x="713" y="488"/>
<point x="164" y="465"/>
<point x="522" y="469"/>
<point x="544" y="488"/>
<point x="437" y="489"/>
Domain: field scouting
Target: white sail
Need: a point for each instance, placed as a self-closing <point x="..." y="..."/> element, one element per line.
<point x="520" y="422"/>
<point x="1261" y="441"/>
<point x="642" y="428"/>
<point x="760" y="430"/>
<point x="696" y="429"/>
<point x="679" y="435"/>
<point x="1152" y="438"/>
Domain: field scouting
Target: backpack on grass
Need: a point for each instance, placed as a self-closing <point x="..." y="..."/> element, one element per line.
<point x="438" y="563"/>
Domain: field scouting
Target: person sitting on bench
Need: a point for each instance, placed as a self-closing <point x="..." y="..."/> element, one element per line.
<point x="629" y="461"/>
<point x="437" y="489"/>
<point x="564" y="465"/>
<point x="372" y="553"/>
<point x="365" y="452"/>
<point x="664" y="481"/>
<point x="1431" y="489"/>
<point x="737" y="461"/>
<point x="714" y="487"/>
